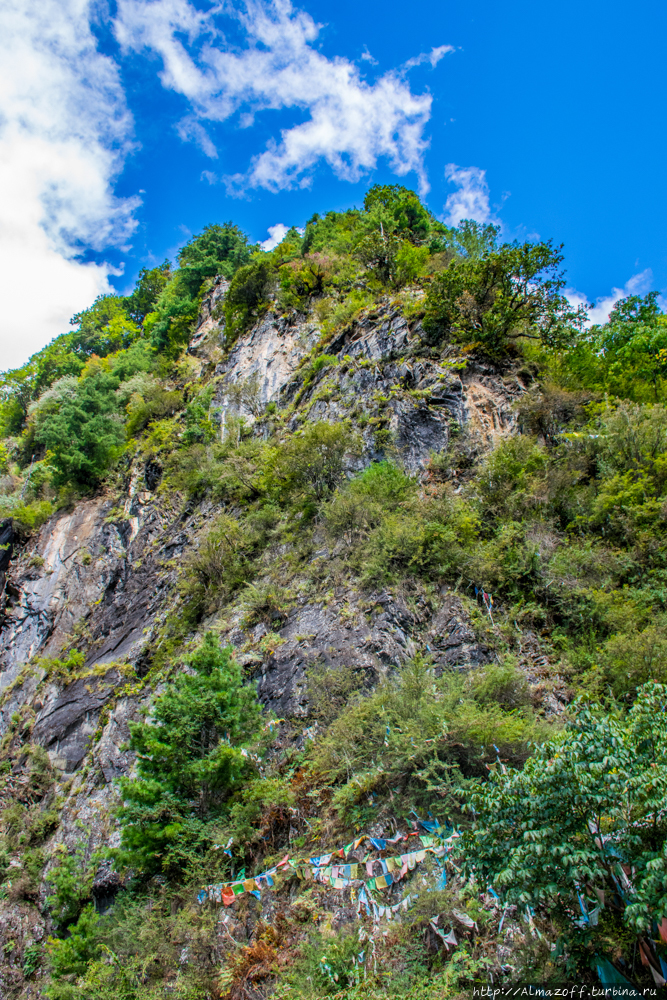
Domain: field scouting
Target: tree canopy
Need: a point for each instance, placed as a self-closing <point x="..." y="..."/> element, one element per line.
<point x="585" y="815"/>
<point x="190" y="754"/>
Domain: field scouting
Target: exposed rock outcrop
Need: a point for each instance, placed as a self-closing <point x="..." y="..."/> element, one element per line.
<point x="101" y="577"/>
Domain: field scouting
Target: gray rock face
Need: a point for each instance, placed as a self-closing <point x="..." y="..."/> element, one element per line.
<point x="103" y="580"/>
<point x="271" y="352"/>
<point x="346" y="634"/>
<point x="419" y="432"/>
<point x="312" y="635"/>
<point x="389" y="336"/>
<point x="452" y="640"/>
<point x="75" y="559"/>
<point x="68" y="719"/>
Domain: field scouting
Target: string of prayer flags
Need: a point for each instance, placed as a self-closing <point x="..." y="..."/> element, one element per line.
<point x="339" y="876"/>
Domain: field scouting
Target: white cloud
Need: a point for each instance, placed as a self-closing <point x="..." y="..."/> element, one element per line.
<point x="351" y="124"/>
<point x="277" y="234"/>
<point x="598" y="312"/>
<point x="471" y="200"/>
<point x="433" y="57"/>
<point x="64" y="131"/>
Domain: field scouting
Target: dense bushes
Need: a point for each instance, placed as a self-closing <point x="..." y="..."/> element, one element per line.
<point x="418" y="736"/>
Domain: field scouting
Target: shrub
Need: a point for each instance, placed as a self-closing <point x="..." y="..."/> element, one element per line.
<point x="360" y="504"/>
<point x="547" y="410"/>
<point x="265" y="602"/>
<point x="427" y="538"/>
<point x="512" y="479"/>
<point x="416" y="735"/>
<point x="305" y="277"/>
<point x="71" y="880"/>
<point x="70" y="957"/>
<point x="247" y="297"/>
<point x="221" y="563"/>
<point x="312" y="462"/>
<point x="630" y="660"/>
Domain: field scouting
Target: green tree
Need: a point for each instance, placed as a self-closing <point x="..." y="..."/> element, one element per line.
<point x="408" y="216"/>
<point x="379" y="252"/>
<point x="472" y="239"/>
<point x="150" y="285"/>
<point x="587" y="802"/>
<point x="633" y="344"/>
<point x="191" y="756"/>
<point x="103" y="328"/>
<point x="492" y="300"/>
<point x="219" y="249"/>
<point x="78" y="421"/>
<point x="246" y="298"/>
<point x="170" y="324"/>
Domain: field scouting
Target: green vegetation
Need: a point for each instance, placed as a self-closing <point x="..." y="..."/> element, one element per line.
<point x="586" y="811"/>
<point x="313" y="500"/>
<point x="190" y="757"/>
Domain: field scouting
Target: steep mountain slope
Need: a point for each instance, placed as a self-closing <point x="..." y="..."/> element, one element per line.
<point x="418" y="548"/>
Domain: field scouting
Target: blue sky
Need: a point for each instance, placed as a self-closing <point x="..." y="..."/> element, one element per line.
<point x="126" y="127"/>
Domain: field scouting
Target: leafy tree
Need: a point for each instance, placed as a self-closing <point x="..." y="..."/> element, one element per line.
<point x="379" y="252"/>
<point x="633" y="344"/>
<point x="190" y="759"/>
<point x="472" y="239"/>
<point x="492" y="300"/>
<point x="335" y="232"/>
<point x="410" y="263"/>
<point x="220" y="249"/>
<point x="78" y="422"/>
<point x="246" y="298"/>
<point x="104" y="328"/>
<point x="588" y="802"/>
<point x="150" y="285"/>
<point x="170" y="324"/>
<point x="16" y="391"/>
<point x="408" y="216"/>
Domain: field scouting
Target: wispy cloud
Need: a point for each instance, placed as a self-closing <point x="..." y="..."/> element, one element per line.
<point x="352" y="123"/>
<point x="64" y="133"/>
<point x="598" y="311"/>
<point x="433" y="57"/>
<point x="471" y="199"/>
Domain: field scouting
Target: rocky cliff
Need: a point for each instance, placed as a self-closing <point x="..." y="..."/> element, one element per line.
<point x="90" y="600"/>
